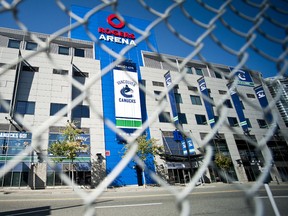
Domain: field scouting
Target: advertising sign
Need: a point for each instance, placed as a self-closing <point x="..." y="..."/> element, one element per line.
<point x="208" y="106"/>
<point x="239" y="110"/>
<point x="190" y="146"/>
<point x="244" y="78"/>
<point x="263" y="102"/>
<point x="127" y="97"/>
<point x="171" y="97"/>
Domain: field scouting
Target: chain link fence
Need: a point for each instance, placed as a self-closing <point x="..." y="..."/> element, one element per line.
<point x="264" y="11"/>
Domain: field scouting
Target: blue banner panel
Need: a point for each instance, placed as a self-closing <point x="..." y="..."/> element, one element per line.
<point x="244" y="78"/>
<point x="263" y="102"/>
<point x="208" y="106"/>
<point x="190" y="145"/>
<point x="171" y="95"/>
<point x="239" y="110"/>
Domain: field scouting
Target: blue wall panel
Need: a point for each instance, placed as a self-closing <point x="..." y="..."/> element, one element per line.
<point x="129" y="175"/>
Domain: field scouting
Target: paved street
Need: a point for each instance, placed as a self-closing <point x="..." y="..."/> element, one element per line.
<point x="211" y="199"/>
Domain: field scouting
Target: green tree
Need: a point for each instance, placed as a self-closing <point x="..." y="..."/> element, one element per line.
<point x="223" y="162"/>
<point x="146" y="148"/>
<point x="69" y="146"/>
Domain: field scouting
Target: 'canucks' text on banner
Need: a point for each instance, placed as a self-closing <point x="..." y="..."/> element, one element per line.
<point x="127" y="99"/>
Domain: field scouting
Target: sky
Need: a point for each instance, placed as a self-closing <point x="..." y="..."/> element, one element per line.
<point x="46" y="17"/>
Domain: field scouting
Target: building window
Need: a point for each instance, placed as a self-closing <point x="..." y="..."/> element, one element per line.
<point x="228" y="103"/>
<point x="63" y="50"/>
<point x="25" y="107"/>
<point x="79" y="52"/>
<point x="155" y="83"/>
<point x="182" y="118"/>
<point x="196" y="100"/>
<point x="189" y="70"/>
<point x="80" y="74"/>
<point x="157" y="93"/>
<point x="233" y="122"/>
<point x="192" y="88"/>
<point x="81" y="111"/>
<point x="2" y="109"/>
<point x="199" y="71"/>
<point x="248" y="123"/>
<point x="29" y="68"/>
<point x="250" y="95"/>
<point x="55" y="107"/>
<point x="31" y="46"/>
<point x="221" y="92"/>
<point x="262" y="123"/>
<point x="15" y="44"/>
<point x="218" y="75"/>
<point x="59" y="71"/>
<point x="201" y="119"/>
<point x="178" y="98"/>
<point x="176" y="86"/>
<point x="164" y="117"/>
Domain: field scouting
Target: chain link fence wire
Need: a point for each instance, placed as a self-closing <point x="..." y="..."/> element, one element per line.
<point x="264" y="11"/>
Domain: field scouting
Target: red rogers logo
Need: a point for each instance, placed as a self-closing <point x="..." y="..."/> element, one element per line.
<point x="110" y="19"/>
<point x="114" y="34"/>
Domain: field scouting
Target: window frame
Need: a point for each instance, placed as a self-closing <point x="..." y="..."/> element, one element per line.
<point x="56" y="107"/>
<point x="182" y="118"/>
<point x="162" y="118"/>
<point x="2" y="109"/>
<point x="218" y="75"/>
<point x="233" y="121"/>
<point x="83" y="110"/>
<point x="12" y="41"/>
<point x="77" y="50"/>
<point x="25" y="107"/>
<point x="199" y="71"/>
<point x="199" y="119"/>
<point x="263" y="126"/>
<point x="196" y="99"/>
<point x="178" y="98"/>
<point x="156" y="83"/>
<point x="32" y="44"/>
<point x="62" y="48"/>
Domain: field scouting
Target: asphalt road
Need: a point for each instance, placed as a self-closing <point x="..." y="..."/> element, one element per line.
<point x="208" y="200"/>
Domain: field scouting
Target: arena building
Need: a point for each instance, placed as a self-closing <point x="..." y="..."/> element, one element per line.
<point x="39" y="89"/>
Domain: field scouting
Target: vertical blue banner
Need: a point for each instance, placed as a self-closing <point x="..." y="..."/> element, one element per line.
<point x="244" y="78"/>
<point x="238" y="108"/>
<point x="171" y="95"/>
<point x="263" y="102"/>
<point x="208" y="106"/>
<point x="190" y="146"/>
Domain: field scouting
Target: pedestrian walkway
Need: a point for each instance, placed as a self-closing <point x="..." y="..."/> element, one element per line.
<point x="133" y="188"/>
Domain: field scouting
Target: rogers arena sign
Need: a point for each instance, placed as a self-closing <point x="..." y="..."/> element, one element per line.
<point x="116" y="36"/>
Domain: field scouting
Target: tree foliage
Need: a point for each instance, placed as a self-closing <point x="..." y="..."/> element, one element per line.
<point x="222" y="161"/>
<point x="146" y="147"/>
<point x="69" y="146"/>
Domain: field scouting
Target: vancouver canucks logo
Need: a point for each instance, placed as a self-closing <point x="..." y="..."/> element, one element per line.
<point x="127" y="92"/>
<point x="241" y="75"/>
<point x="202" y="86"/>
<point x="260" y="94"/>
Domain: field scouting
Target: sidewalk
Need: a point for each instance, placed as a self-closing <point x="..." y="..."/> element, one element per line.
<point x="132" y="188"/>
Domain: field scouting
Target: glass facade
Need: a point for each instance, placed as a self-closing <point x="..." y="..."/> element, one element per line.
<point x="81" y="166"/>
<point x="12" y="143"/>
